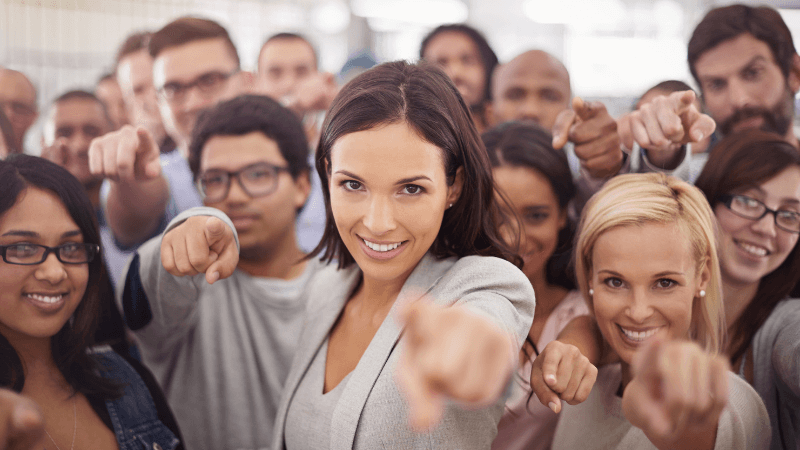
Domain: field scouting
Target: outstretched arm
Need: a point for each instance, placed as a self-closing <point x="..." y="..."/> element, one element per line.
<point x="21" y="422"/>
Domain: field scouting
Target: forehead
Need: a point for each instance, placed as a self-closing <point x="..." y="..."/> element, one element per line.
<point x="732" y="55"/>
<point x="533" y="71"/>
<point x="136" y="66"/>
<point x="186" y="62"/>
<point x="77" y="111"/>
<point x="14" y="86"/>
<point x="234" y="152"/>
<point x="387" y="153"/>
<point x="451" y="44"/>
<point x="783" y="186"/>
<point x="287" y="52"/>
<point x="643" y="250"/>
<point x="37" y="210"/>
<point x="524" y="184"/>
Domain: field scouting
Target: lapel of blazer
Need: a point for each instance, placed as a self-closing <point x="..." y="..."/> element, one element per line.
<point x="336" y="290"/>
<point x="354" y="396"/>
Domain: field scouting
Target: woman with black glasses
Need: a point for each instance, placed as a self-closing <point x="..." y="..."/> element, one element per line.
<point x="752" y="181"/>
<point x="90" y="397"/>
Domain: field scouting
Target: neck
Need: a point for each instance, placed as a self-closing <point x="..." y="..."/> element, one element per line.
<point x="36" y="355"/>
<point x="737" y="297"/>
<point x="548" y="296"/>
<point x="379" y="294"/>
<point x="279" y="261"/>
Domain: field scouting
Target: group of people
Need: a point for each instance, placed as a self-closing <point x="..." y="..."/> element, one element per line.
<point x="453" y="253"/>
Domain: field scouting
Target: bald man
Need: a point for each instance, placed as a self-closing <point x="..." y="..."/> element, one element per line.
<point x="18" y="101"/>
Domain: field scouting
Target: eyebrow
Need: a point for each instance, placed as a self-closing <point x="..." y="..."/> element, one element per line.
<point x="33" y="234"/>
<point x="403" y="181"/>
<point x="789" y="200"/>
<point x="658" y="275"/>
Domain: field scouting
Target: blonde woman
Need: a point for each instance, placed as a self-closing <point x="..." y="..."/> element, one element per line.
<point x="646" y="261"/>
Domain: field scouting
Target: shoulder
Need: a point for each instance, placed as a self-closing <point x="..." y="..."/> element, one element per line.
<point x="475" y="271"/>
<point x="744" y="422"/>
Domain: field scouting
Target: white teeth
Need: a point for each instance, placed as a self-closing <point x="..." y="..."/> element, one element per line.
<point x="639" y="335"/>
<point x="44" y="298"/>
<point x="752" y="249"/>
<point x="381" y="247"/>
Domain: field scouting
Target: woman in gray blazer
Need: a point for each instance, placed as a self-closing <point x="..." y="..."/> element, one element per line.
<point x="411" y="213"/>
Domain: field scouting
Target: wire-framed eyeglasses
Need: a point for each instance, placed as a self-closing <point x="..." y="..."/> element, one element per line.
<point x="26" y="254"/>
<point x="750" y="208"/>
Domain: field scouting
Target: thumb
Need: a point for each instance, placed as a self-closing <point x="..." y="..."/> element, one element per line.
<point x="584" y="110"/>
<point x="147" y="145"/>
<point x="214" y="230"/>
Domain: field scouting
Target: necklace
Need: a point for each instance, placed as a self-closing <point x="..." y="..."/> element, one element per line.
<point x="74" y="427"/>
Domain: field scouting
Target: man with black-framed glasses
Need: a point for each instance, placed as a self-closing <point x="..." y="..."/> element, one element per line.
<point x="233" y="340"/>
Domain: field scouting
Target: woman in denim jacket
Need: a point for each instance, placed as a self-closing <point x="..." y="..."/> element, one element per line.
<point x="89" y="398"/>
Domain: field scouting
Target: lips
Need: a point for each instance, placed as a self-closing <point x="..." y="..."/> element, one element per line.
<point x="382" y="250"/>
<point x="637" y="335"/>
<point x="752" y="249"/>
<point x="47" y="302"/>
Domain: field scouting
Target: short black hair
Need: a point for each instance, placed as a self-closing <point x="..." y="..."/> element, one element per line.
<point x="488" y="57"/>
<point x="80" y="94"/>
<point x="728" y="22"/>
<point x="246" y="114"/>
<point x="290" y="36"/>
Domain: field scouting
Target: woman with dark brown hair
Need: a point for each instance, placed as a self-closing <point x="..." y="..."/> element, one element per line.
<point x="411" y="213"/>
<point x="752" y="181"/>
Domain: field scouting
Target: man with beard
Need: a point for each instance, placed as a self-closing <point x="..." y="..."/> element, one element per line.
<point x="744" y="60"/>
<point x="465" y="56"/>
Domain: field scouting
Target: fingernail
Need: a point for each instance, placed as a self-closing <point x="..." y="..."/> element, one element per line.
<point x="553" y="406"/>
<point x="214" y="277"/>
<point x="550" y="379"/>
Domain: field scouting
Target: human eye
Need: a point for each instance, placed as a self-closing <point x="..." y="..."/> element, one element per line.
<point x="536" y="217"/>
<point x="257" y="174"/>
<point x="210" y="80"/>
<point x="413" y="189"/>
<point x="351" y="185"/>
<point x="715" y="85"/>
<point x="665" y="283"/>
<point x="551" y="95"/>
<point x="64" y="132"/>
<point x="751" y="72"/>
<point x="514" y="94"/>
<point x="214" y="179"/>
<point x="22" y="250"/>
<point x="174" y="89"/>
<point x="789" y="219"/>
<point x="613" y="282"/>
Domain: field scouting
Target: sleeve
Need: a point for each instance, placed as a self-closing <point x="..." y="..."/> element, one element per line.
<point x="640" y="163"/>
<point x="158" y="306"/>
<point x="744" y="424"/>
<point x="496" y="289"/>
<point x="786" y="350"/>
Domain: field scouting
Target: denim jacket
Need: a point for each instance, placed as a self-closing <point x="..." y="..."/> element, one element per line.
<point x="134" y="415"/>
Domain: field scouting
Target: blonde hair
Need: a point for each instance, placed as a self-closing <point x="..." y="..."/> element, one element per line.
<point x="639" y="199"/>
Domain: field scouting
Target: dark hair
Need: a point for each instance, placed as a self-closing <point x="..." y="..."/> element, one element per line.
<point x="523" y="144"/>
<point x="79" y="94"/>
<point x="728" y="22"/>
<point x="70" y="344"/>
<point x="423" y="97"/>
<point x="290" y="36"/>
<point x="744" y="160"/>
<point x="246" y="114"/>
<point x="189" y="29"/>
<point x="8" y="134"/>
<point x="133" y="43"/>
<point x="488" y="57"/>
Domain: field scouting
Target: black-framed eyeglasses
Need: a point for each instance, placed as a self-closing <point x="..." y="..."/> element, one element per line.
<point x="26" y="254"/>
<point x="208" y="83"/>
<point x="256" y="180"/>
<point x="750" y="208"/>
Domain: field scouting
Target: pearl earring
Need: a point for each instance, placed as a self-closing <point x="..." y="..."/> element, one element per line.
<point x="591" y="291"/>
<point x="702" y="293"/>
<point x="451" y="205"/>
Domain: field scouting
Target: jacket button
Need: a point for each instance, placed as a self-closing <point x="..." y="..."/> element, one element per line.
<point x="156" y="446"/>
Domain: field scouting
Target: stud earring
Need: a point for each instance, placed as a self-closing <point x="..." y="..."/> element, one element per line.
<point x="702" y="293"/>
<point x="591" y="291"/>
<point x="451" y="205"/>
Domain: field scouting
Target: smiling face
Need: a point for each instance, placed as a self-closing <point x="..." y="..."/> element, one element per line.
<point x="460" y="59"/>
<point x="645" y="282"/>
<point x="743" y="86"/>
<point x="536" y="205"/>
<point x="282" y="65"/>
<point x="36" y="301"/>
<point x="751" y="249"/>
<point x="388" y="196"/>
<point x="263" y="223"/>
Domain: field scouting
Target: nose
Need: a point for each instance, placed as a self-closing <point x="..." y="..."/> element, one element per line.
<point x="640" y="307"/>
<point x="765" y="225"/>
<point x="531" y="110"/>
<point x="196" y="101"/>
<point x="51" y="270"/>
<point x="379" y="218"/>
<point x="236" y="194"/>
<point x="739" y="94"/>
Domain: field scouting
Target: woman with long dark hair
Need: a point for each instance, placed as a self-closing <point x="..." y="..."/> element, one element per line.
<point x="50" y="273"/>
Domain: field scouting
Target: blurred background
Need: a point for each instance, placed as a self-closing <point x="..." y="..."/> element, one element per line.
<point x="614" y="49"/>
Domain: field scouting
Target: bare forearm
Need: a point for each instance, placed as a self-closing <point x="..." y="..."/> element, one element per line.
<point x="135" y="209"/>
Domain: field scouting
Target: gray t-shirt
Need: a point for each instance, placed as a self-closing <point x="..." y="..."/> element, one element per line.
<point x="220" y="352"/>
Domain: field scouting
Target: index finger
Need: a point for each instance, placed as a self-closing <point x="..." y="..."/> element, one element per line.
<point x="586" y="110"/>
<point x="682" y="100"/>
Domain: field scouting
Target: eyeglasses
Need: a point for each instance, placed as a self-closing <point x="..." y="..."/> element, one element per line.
<point x="31" y="254"/>
<point x="750" y="208"/>
<point x="257" y="180"/>
<point x="208" y="83"/>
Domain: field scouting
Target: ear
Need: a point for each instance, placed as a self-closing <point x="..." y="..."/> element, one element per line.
<point x="794" y="74"/>
<point x="454" y="190"/>
<point x="303" y="188"/>
<point x="562" y="219"/>
<point x="704" y="275"/>
<point x="488" y="114"/>
<point x="247" y="80"/>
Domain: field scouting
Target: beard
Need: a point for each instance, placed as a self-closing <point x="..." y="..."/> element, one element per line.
<point x="776" y="119"/>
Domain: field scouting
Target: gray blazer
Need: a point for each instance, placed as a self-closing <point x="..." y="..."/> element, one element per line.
<point x="372" y="412"/>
